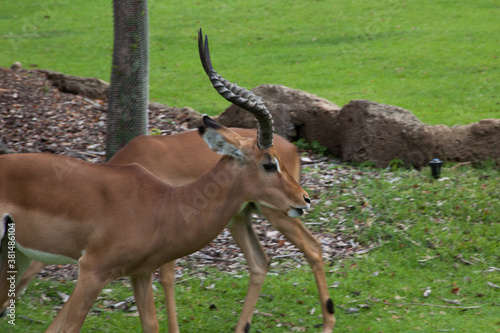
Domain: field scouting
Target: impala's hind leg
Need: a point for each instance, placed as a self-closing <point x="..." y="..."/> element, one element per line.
<point x="91" y="280"/>
<point x="258" y="263"/>
<point x="167" y="280"/>
<point x="143" y="295"/>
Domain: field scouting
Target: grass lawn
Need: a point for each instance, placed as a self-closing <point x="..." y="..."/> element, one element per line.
<point x="438" y="59"/>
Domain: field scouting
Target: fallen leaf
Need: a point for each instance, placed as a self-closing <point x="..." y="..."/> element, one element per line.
<point x="272" y="234"/>
<point x="455" y="301"/>
<point x="45" y="298"/>
<point x="335" y="284"/>
<point x="352" y="310"/>
<point x="493" y="285"/>
<point x="64" y="297"/>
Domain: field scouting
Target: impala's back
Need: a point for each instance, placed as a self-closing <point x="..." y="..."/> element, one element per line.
<point x="182" y="158"/>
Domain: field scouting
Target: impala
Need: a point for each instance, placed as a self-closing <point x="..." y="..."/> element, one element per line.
<point x="121" y="220"/>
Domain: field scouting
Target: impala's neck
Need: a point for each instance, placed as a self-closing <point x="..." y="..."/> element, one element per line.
<point x="206" y="206"/>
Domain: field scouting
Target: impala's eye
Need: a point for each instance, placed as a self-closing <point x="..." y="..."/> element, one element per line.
<point x="270" y="167"/>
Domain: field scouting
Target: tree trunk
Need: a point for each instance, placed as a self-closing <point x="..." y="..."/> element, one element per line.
<point x="128" y="92"/>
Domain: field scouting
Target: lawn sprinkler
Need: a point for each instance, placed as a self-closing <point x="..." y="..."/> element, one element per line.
<point x="435" y="165"/>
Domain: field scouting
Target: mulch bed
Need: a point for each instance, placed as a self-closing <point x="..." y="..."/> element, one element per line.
<point x="36" y="117"/>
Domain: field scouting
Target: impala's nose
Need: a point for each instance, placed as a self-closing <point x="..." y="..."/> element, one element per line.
<point x="299" y="211"/>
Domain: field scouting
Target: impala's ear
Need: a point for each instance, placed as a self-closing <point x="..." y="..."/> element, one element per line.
<point x="220" y="139"/>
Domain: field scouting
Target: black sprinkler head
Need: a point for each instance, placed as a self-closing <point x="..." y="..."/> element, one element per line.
<point x="435" y="165"/>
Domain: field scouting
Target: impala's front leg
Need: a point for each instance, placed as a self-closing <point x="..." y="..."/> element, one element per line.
<point x="167" y="280"/>
<point x="88" y="286"/>
<point x="300" y="236"/>
<point x="258" y="263"/>
<point x="143" y="295"/>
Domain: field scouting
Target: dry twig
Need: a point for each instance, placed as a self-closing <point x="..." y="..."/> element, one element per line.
<point x="424" y="304"/>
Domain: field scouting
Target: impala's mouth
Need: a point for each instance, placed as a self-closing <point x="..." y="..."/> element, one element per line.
<point x="292" y="212"/>
<point x="299" y="211"/>
<point x="295" y="212"/>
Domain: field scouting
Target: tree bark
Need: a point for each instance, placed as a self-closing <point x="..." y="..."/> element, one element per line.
<point x="128" y="91"/>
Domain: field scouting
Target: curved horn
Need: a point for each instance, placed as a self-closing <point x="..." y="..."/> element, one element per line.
<point x="241" y="97"/>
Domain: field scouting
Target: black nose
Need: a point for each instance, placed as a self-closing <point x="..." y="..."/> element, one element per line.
<point x="306" y="199"/>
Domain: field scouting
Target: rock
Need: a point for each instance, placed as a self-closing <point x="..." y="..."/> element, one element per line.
<point x="296" y="114"/>
<point x="369" y="131"/>
<point x="380" y="133"/>
<point x="89" y="87"/>
<point x="17" y="65"/>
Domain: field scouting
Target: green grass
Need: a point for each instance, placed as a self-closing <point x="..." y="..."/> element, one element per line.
<point x="438" y="59"/>
<point x="441" y="235"/>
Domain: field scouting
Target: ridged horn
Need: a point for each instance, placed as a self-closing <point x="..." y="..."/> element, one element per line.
<point x="241" y="97"/>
